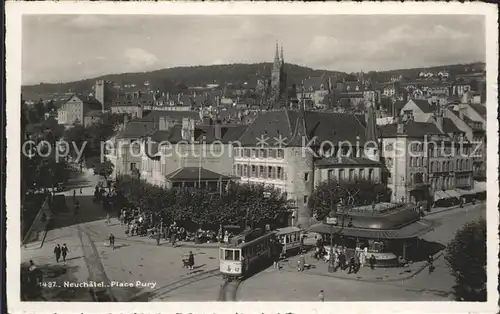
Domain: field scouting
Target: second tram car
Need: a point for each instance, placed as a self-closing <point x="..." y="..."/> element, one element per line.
<point x="290" y="239"/>
<point x="245" y="252"/>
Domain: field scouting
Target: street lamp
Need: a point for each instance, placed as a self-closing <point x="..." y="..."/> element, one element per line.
<point x="331" y="220"/>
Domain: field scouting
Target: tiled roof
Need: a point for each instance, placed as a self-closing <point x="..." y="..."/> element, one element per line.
<point x="174" y="115"/>
<point x="95" y="113"/>
<point x="322" y="125"/>
<point x="411" y="128"/>
<point x="315" y="83"/>
<point x="135" y="129"/>
<point x="229" y="133"/>
<point x="424" y="105"/>
<point x="479" y="109"/>
<point x="195" y="173"/>
<point x="331" y="161"/>
<point x="450" y="127"/>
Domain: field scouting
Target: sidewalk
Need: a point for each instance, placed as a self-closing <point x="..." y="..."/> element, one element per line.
<point x="58" y="274"/>
<point x="320" y="268"/>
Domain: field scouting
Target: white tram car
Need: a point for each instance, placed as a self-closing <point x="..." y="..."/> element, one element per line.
<point x="244" y="252"/>
<point x="290" y="239"/>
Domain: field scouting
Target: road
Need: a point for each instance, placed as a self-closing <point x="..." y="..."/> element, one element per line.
<point x="155" y="273"/>
<point x="273" y="285"/>
<point x="144" y="268"/>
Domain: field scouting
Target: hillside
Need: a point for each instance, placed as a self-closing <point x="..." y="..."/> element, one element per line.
<point x="168" y="79"/>
<point x="454" y="69"/>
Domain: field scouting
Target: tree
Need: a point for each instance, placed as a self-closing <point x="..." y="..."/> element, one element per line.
<point x="328" y="194"/>
<point x="466" y="257"/>
<point x="104" y="169"/>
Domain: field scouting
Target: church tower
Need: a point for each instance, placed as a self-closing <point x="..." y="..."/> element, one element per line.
<point x="278" y="78"/>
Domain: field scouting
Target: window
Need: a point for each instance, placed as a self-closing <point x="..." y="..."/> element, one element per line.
<point x="330" y="175"/>
<point x="306" y="176"/>
<point x="341" y="174"/>
<point x="281" y="153"/>
<point x="269" y="172"/>
<point x="236" y="255"/>
<point x="238" y="170"/>
<point x="228" y="256"/>
<point x="361" y="173"/>
<point x="272" y="153"/>
<point x="370" y="174"/>
<point x="254" y="171"/>
<point x="306" y="198"/>
<point x="351" y="174"/>
<point x="132" y="166"/>
<point x="245" y="170"/>
<point x="254" y="153"/>
<point x="280" y="173"/>
<point x="262" y="172"/>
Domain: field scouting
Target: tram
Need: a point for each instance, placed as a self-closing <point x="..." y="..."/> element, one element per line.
<point x="290" y="239"/>
<point x="245" y="252"/>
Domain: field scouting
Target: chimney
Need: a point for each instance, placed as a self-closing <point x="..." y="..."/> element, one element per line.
<point x="218" y="130"/>
<point x="400" y="126"/>
<point x="164" y="124"/>
<point x="187" y="131"/>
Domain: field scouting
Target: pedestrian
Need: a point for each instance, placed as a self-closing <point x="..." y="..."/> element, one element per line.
<point x="302" y="262"/>
<point x="81" y="191"/>
<point x="373" y="260"/>
<point x="173" y="238"/>
<point x="64" y="252"/>
<point x="321" y="296"/>
<point x="57" y="252"/>
<point x="351" y="265"/>
<point x="298" y="265"/>
<point x="108" y="219"/>
<point x="112" y="240"/>
<point x="430" y="261"/>
<point x="191" y="260"/>
<point x="74" y="195"/>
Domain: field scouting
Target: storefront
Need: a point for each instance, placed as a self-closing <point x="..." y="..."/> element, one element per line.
<point x="390" y="235"/>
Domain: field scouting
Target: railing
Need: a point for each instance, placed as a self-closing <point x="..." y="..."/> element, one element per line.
<point x="38" y="224"/>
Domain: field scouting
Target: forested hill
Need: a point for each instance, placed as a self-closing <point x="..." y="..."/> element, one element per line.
<point x="169" y="79"/>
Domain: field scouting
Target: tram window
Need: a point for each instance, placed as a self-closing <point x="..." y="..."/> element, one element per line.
<point x="236" y="255"/>
<point x="229" y="255"/>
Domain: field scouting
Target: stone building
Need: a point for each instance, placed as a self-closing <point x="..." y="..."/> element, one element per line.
<point x="291" y="151"/>
<point x="75" y="108"/>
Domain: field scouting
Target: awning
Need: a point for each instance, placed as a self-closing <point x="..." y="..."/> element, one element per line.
<point x="479" y="186"/>
<point x="452" y="193"/>
<point x="466" y="192"/>
<point x="441" y="195"/>
<point x="412" y="230"/>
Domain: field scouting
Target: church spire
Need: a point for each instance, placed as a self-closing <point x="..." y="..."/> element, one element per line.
<point x="277" y="57"/>
<point x="281" y="56"/>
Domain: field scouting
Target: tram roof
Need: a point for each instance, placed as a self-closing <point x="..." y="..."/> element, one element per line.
<point x="288" y="230"/>
<point x="237" y="246"/>
<point x="409" y="231"/>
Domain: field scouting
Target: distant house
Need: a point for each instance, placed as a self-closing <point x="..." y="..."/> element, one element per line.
<point x="73" y="110"/>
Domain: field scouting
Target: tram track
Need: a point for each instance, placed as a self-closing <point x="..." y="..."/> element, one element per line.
<point x="163" y="291"/>
<point x="228" y="291"/>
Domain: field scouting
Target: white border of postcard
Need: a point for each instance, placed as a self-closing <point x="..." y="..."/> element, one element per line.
<point x="14" y="12"/>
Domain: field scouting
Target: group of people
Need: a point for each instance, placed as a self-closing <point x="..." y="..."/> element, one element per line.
<point x="61" y="251"/>
<point x="344" y="259"/>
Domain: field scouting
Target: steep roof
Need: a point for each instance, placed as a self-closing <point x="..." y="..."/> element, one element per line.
<point x="450" y="127"/>
<point x="424" y="105"/>
<point x="135" y="129"/>
<point x="174" y="115"/>
<point x="195" y="173"/>
<point x="479" y="109"/>
<point x="229" y="133"/>
<point x="332" y="161"/>
<point x="411" y="129"/>
<point x="286" y="124"/>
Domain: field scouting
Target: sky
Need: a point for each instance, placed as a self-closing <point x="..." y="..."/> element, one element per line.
<point x="63" y="48"/>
